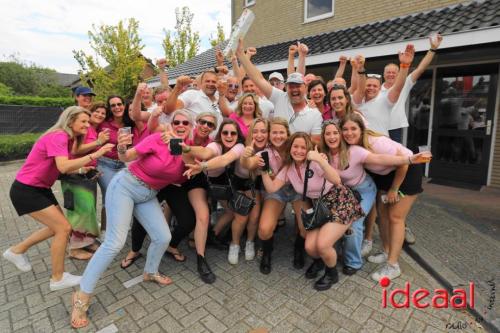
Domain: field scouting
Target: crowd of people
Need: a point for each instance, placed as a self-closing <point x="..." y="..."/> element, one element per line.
<point x="233" y="145"/>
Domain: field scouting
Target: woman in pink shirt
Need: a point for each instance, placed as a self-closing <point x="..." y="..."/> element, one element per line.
<point x="31" y="191"/>
<point x="317" y="98"/>
<point x="132" y="192"/>
<point x="82" y="190"/>
<point x="247" y="110"/>
<point x="340" y="102"/>
<point x="324" y="180"/>
<point x="401" y="187"/>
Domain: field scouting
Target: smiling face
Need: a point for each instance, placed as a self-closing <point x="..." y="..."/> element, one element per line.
<point x="332" y="137"/>
<point x="232" y="88"/>
<point x="372" y="88"/>
<point x="317" y="93"/>
<point x="248" y="86"/>
<point x="351" y="132"/>
<point x="205" y="125"/>
<point x="229" y="135"/>
<point x="209" y="83"/>
<point x="298" y="150"/>
<point x="147" y="97"/>
<point x="85" y="101"/>
<point x="98" y="116"/>
<point x="181" y="126"/>
<point x="390" y="73"/>
<point x="338" y="100"/>
<point x="260" y="135"/>
<point x="81" y="124"/>
<point x="296" y="92"/>
<point x="117" y="107"/>
<point x="248" y="107"/>
<point x="278" y="135"/>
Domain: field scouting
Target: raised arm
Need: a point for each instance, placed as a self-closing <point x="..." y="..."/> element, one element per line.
<point x="249" y="160"/>
<point x="342" y="64"/>
<point x="84" y="148"/>
<point x="303" y="50"/>
<point x="162" y="65"/>
<point x="153" y="123"/>
<point x="405" y="60"/>
<point x="427" y="59"/>
<point x="173" y="103"/>
<point x="391" y="160"/>
<point x="238" y="72"/>
<point x="291" y="59"/>
<point x="253" y="71"/>
<point x="135" y="112"/>
<point x="66" y="165"/>
<point x="360" y="73"/>
<point x="330" y="173"/>
<point x="223" y="102"/>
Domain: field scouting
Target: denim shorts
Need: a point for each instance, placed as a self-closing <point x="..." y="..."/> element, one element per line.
<point x="285" y="194"/>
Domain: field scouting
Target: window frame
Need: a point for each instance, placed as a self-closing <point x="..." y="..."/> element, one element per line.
<point x="318" y="17"/>
<point x="249" y="3"/>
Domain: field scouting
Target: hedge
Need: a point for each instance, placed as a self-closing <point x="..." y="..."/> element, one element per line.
<point x="37" y="101"/>
<point x="13" y="147"/>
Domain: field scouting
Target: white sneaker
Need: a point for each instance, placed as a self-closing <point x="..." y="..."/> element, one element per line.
<point x="68" y="280"/>
<point x="249" y="250"/>
<point x="388" y="270"/>
<point x="366" y="247"/>
<point x="102" y="236"/>
<point x="378" y="258"/>
<point x="20" y="260"/>
<point x="234" y="251"/>
<point x="409" y="236"/>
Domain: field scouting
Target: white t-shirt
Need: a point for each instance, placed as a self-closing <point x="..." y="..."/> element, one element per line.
<point x="398" y="115"/>
<point x="307" y="120"/>
<point x="377" y="112"/>
<point x="266" y="107"/>
<point x="196" y="102"/>
<point x="163" y="118"/>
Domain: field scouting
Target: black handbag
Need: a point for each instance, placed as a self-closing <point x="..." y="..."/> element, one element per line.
<point x="240" y="203"/>
<point x="319" y="214"/>
<point x="219" y="192"/>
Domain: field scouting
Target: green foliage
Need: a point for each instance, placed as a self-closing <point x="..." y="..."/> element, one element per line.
<point x="120" y="46"/>
<point x="5" y="90"/>
<point x="29" y="79"/>
<point x="220" y="36"/>
<point x="182" y="44"/>
<point x="38" y="101"/>
<point x="16" y="146"/>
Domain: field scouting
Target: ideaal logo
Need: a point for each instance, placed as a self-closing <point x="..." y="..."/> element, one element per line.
<point x="422" y="298"/>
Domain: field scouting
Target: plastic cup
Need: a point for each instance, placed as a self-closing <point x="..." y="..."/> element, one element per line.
<point x="125" y="130"/>
<point x="423" y="148"/>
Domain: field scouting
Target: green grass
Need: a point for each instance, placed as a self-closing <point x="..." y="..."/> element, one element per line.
<point x="16" y="146"/>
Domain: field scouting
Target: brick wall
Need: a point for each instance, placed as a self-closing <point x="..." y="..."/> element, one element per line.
<point x="282" y="20"/>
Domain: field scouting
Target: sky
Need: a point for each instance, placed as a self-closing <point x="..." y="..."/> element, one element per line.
<point x="46" y="32"/>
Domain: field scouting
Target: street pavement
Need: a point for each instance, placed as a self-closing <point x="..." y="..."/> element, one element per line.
<point x="241" y="300"/>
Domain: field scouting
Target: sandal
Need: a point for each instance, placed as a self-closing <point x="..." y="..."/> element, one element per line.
<point x="81" y="308"/>
<point x="80" y="254"/>
<point x="92" y="247"/>
<point x="127" y="262"/>
<point x="161" y="279"/>
<point x="175" y="254"/>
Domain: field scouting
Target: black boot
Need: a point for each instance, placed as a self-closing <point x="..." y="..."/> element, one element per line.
<point x="330" y="277"/>
<point x="265" y="261"/>
<point x="204" y="270"/>
<point x="298" y="253"/>
<point x="316" y="267"/>
<point x="214" y="241"/>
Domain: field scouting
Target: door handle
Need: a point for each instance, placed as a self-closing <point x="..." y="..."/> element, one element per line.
<point x="488" y="127"/>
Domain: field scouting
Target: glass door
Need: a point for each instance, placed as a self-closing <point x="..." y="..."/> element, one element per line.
<point x="463" y="123"/>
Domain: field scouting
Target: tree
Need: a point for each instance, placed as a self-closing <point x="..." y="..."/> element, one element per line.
<point x="182" y="44"/>
<point x="220" y="36"/>
<point x="5" y="90"/>
<point x="120" y="47"/>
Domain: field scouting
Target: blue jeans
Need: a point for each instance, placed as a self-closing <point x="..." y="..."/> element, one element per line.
<point x="108" y="169"/>
<point x="353" y="242"/>
<point x="127" y="196"/>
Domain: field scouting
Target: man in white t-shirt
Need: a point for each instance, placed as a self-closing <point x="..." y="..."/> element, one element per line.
<point x="376" y="106"/>
<point x="290" y="105"/>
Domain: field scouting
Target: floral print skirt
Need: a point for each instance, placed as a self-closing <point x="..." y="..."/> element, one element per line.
<point x="342" y="202"/>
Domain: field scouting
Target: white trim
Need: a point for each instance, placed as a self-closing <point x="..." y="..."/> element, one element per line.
<point x="249" y="3"/>
<point x="495" y="119"/>
<point x="317" y="17"/>
<point x="480" y="36"/>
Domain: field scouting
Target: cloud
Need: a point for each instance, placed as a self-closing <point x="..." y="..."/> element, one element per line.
<point x="46" y="32"/>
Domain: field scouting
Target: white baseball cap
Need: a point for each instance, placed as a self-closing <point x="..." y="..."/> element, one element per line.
<point x="276" y="75"/>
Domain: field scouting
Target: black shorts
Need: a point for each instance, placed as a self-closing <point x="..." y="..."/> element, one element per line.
<point x="412" y="184"/>
<point x="28" y="199"/>
<point x="198" y="181"/>
<point x="239" y="184"/>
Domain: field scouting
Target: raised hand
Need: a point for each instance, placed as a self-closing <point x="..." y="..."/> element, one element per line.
<point x="360" y="61"/>
<point x="183" y="82"/>
<point x="251" y="51"/>
<point x="192" y="169"/>
<point x="293" y="49"/>
<point x="240" y="50"/>
<point x="141" y="88"/>
<point x="103" y="136"/>
<point x="219" y="57"/>
<point x="343" y="59"/>
<point x="406" y="57"/>
<point x="162" y="63"/>
<point x="303" y="49"/>
<point x="314" y="155"/>
<point x="222" y="70"/>
<point x="436" y="41"/>
<point x="222" y="86"/>
<point x="249" y="150"/>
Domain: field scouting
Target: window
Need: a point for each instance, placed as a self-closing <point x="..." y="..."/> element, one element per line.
<point x="249" y="3"/>
<point x="317" y="9"/>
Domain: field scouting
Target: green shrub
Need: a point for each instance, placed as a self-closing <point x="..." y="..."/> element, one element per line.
<point x="16" y="146"/>
<point x="38" y="101"/>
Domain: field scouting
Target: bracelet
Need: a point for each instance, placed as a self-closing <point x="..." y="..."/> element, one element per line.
<point x="186" y="149"/>
<point x="393" y="189"/>
<point x="409" y="160"/>
<point x="80" y="171"/>
<point x="402" y="65"/>
<point x="433" y="50"/>
<point x="98" y="142"/>
<point x="121" y="150"/>
<point x="204" y="166"/>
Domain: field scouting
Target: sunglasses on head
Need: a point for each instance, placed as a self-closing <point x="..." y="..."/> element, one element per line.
<point x="330" y="122"/>
<point x="207" y="123"/>
<point x="115" y="105"/>
<point x="231" y="133"/>
<point x="374" y="76"/>
<point x="183" y="122"/>
<point x="233" y="86"/>
<point x="338" y="86"/>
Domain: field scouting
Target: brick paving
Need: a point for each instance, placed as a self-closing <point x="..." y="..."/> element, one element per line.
<point x="240" y="300"/>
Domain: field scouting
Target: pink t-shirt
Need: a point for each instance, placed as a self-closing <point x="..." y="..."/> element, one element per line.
<point x="290" y="175"/>
<point x="113" y="136"/>
<point x="239" y="170"/>
<point x="355" y="173"/>
<point x="40" y="168"/>
<point x="239" y="120"/>
<point x="191" y="142"/>
<point x="327" y="112"/>
<point x="90" y="137"/>
<point x="155" y="165"/>
<point x="384" y="145"/>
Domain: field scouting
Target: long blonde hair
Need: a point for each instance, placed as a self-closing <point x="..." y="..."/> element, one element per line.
<point x="343" y="151"/>
<point x="66" y="119"/>
<point x="257" y="113"/>
<point x="249" y="138"/>
<point x="365" y="132"/>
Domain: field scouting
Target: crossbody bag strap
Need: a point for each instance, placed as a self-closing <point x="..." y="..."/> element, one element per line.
<point x="306" y="181"/>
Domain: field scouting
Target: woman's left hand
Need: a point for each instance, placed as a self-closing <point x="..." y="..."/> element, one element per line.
<point x="314" y="155"/>
<point x="193" y="169"/>
<point x="392" y="197"/>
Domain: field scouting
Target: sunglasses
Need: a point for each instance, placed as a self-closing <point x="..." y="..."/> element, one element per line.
<point x="115" y="105"/>
<point x="183" y="122"/>
<point x="330" y="122"/>
<point x="207" y="123"/>
<point x="374" y="76"/>
<point x="231" y="133"/>
<point x="338" y="86"/>
<point x="233" y="86"/>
